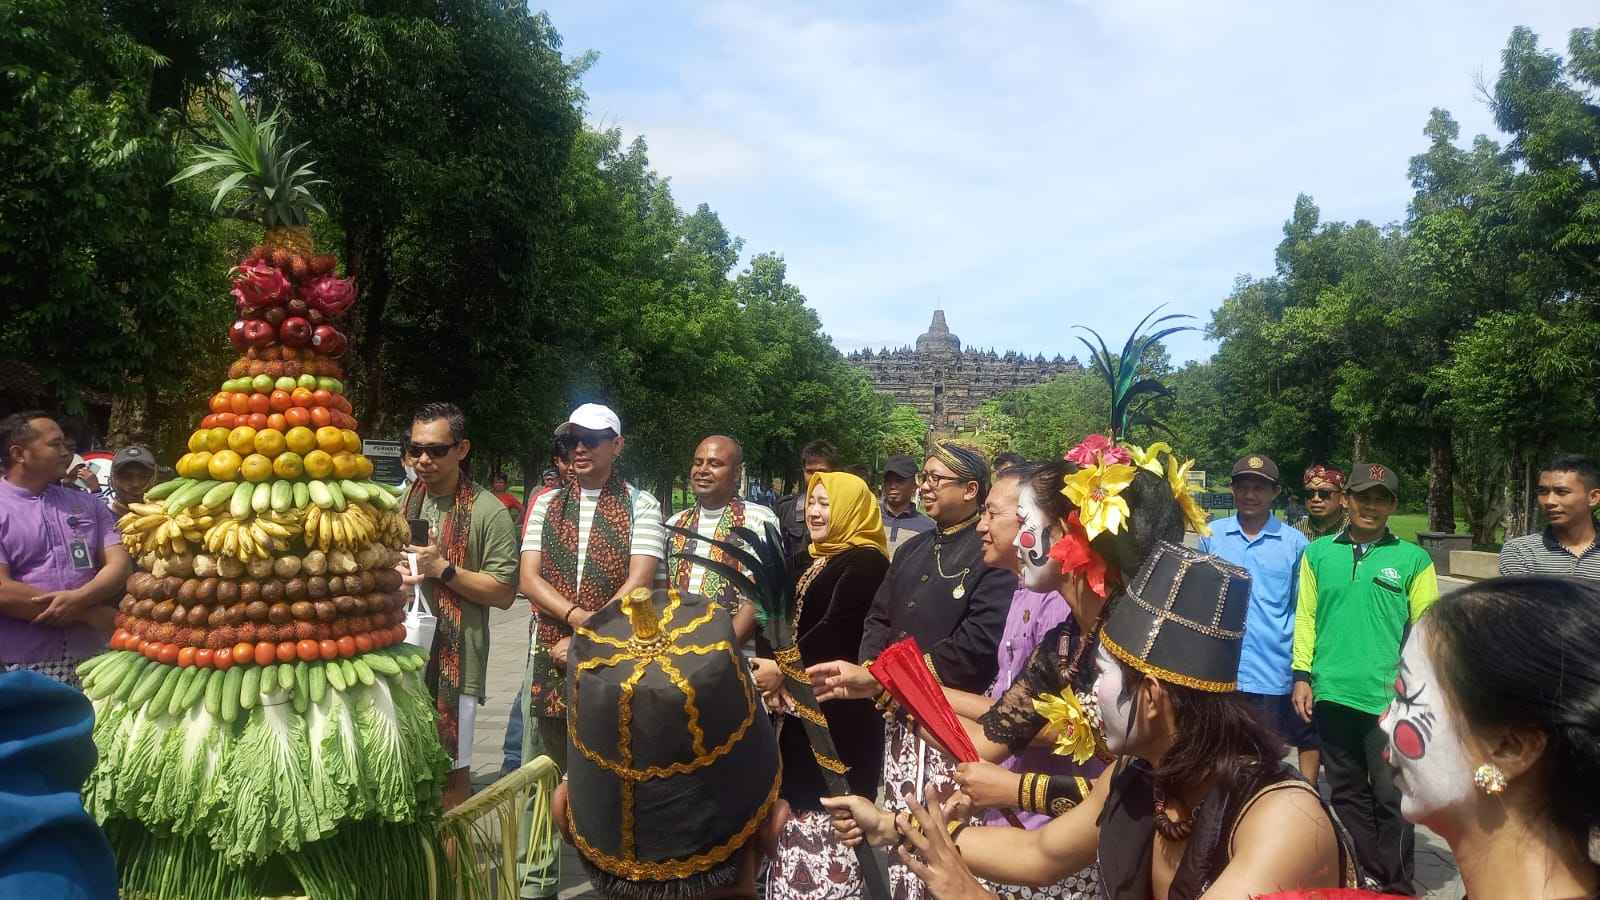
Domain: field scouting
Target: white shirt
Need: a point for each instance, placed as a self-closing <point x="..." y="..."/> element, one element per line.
<point x="648" y="538"/>
<point x="756" y="518"/>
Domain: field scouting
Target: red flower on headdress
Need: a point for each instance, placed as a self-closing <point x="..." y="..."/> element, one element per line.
<point x="1075" y="554"/>
<point x="1097" y="449"/>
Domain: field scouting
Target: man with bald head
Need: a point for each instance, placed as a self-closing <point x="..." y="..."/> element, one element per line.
<point x="714" y="477"/>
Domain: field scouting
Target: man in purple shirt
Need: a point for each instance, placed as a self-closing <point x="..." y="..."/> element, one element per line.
<point x="62" y="566"/>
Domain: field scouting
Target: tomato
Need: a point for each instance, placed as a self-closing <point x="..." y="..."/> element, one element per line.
<point x="223" y="660"/>
<point x="239" y="404"/>
<point x="307" y="650"/>
<point x="279" y="401"/>
<point x="116" y="640"/>
<point x="266" y="653"/>
<point x="219" y="402"/>
<point x="364" y="644"/>
<point x="344" y="420"/>
<point x="202" y="658"/>
<point x="257" y="421"/>
<point x="321" y="415"/>
<point x="285" y="651"/>
<point x="227" y="420"/>
<point x="277" y="422"/>
<point x="260" y="403"/>
<point x="186" y="657"/>
<point x="320" y="397"/>
<point x="243" y="653"/>
<point x="206" y="420"/>
<point x="300" y="396"/>
<point x="296" y="416"/>
<point x="168" y="655"/>
<point x="328" y="649"/>
<point x="347" y="646"/>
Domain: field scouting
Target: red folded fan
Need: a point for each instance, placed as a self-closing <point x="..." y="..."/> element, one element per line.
<point x="902" y="672"/>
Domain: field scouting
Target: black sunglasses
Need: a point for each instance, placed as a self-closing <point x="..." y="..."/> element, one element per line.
<point x="589" y="439"/>
<point x="432" y="451"/>
<point x="1323" y="495"/>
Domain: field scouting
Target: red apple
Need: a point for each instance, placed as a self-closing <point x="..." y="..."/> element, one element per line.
<point x="258" y="333"/>
<point x="295" y="332"/>
<point x="236" y="334"/>
<point x="328" y="341"/>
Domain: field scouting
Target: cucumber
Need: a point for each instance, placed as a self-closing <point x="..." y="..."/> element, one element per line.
<point x="317" y="679"/>
<point x="269" y="681"/>
<point x="250" y="688"/>
<point x="197" y="687"/>
<point x="130" y="681"/>
<point x="282" y="495"/>
<point x="218" y="495"/>
<point x="95" y="662"/>
<point x="320" y="495"/>
<point x="301" y="674"/>
<point x="335" y="675"/>
<point x="165" y="489"/>
<point x="338" y="495"/>
<point x="364" y="672"/>
<point x="239" y="508"/>
<point x="230" y="694"/>
<point x="300" y="702"/>
<point x="261" y="496"/>
<point x="188" y="496"/>
<point x="214" y="691"/>
<point x="108" y="678"/>
<point x="158" y="700"/>
<point x="353" y="492"/>
<point x="286" y="676"/>
<point x="348" y="669"/>
<point x="149" y="683"/>
<point x="382" y="664"/>
<point x="180" y="690"/>
<point x="302" y="495"/>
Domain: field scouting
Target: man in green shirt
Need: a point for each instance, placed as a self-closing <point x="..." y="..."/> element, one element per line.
<point x="468" y="565"/>
<point x="1360" y="591"/>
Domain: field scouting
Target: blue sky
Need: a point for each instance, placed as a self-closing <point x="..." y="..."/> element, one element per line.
<point x="1034" y="166"/>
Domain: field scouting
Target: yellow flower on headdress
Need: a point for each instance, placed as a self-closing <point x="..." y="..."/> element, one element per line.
<point x="1073" y="728"/>
<point x="1178" y="480"/>
<point x="1148" y="458"/>
<point x="1094" y="491"/>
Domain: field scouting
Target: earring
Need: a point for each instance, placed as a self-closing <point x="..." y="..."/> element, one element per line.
<point x="1489" y="779"/>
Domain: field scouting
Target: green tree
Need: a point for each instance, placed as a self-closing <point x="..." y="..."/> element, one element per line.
<point x="905" y="432"/>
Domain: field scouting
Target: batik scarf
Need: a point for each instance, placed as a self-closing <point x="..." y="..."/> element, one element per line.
<point x="444" y="660"/>
<point x="605" y="568"/>
<point x="712" y="584"/>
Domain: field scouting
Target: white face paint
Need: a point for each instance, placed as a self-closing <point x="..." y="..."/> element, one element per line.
<point x="1034" y="537"/>
<point x="1433" y="767"/>
<point x="1116" y="701"/>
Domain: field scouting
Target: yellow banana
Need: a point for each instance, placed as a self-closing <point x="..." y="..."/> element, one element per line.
<point x="230" y="541"/>
<point x="147" y="509"/>
<point x="271" y="528"/>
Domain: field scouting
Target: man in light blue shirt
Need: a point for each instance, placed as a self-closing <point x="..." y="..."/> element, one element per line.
<point x="1254" y="539"/>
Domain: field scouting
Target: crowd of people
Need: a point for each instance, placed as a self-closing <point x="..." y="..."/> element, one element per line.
<point x="1132" y="700"/>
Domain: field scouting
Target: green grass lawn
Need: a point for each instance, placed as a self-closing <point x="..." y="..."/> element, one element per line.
<point x="1404" y="525"/>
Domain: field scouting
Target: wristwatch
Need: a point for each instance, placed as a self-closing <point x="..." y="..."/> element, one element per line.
<point x="448" y="573"/>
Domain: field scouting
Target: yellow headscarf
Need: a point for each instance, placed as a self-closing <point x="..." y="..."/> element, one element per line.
<point x="853" y="516"/>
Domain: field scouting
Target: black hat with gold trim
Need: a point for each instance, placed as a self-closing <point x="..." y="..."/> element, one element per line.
<point x="672" y="762"/>
<point x="1181" y="619"/>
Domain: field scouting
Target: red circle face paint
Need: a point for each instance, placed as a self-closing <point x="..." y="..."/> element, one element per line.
<point x="1027" y="540"/>
<point x="1408" y="740"/>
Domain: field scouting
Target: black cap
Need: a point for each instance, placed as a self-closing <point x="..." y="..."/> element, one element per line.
<point x="1182" y="619"/>
<point x="1257" y="465"/>
<point x="1369" y="475"/>
<point x="901" y="465"/>
<point x="137" y="454"/>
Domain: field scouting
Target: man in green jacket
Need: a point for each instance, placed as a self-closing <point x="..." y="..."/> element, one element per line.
<point x="1360" y="591"/>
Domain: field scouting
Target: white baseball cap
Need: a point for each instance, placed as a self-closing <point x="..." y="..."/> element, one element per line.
<point x="594" y="417"/>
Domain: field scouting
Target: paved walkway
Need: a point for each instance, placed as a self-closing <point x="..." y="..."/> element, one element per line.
<point x="1436" y="871"/>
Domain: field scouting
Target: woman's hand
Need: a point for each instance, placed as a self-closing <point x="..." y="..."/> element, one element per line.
<point x="932" y="856"/>
<point x="840" y="680"/>
<point x="989" y="786"/>
<point x="769" y="678"/>
<point x="855" y="819"/>
<point x="558" y="652"/>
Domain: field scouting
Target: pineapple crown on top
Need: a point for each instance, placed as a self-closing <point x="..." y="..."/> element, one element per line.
<point x="255" y="162"/>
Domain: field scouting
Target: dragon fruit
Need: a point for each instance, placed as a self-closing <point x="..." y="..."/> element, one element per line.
<point x="258" y="285"/>
<point x="329" y="294"/>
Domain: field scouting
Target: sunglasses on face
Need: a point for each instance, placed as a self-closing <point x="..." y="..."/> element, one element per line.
<point x="432" y="451"/>
<point x="589" y="439"/>
<point x="1324" y="495"/>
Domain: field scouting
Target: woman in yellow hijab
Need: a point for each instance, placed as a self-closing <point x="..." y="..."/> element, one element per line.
<point x="835" y="581"/>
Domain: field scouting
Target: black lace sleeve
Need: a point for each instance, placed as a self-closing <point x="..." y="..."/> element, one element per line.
<point x="1012" y="720"/>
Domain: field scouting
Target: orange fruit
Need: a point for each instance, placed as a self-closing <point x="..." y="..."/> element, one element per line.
<point x="352" y="441"/>
<point x="217" y="439"/>
<point x="318" y="464"/>
<point x="197" y="441"/>
<point x="301" y="440"/>
<point x="288" y="465"/>
<point x="242" y="440"/>
<point x="255" y="467"/>
<point x="344" y="464"/>
<point x="184" y="465"/>
<point x="363" y="468"/>
<point x="224" y="465"/>
<point x="330" y="439"/>
<point x="269" y="443"/>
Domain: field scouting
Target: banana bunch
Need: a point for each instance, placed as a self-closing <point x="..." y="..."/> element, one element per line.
<point x="351" y="529"/>
<point x="148" y="527"/>
<point x="393" y="529"/>
<point x="259" y="538"/>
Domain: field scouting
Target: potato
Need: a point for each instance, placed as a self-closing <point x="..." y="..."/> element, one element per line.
<point x="316" y="587"/>
<point x="259" y="568"/>
<point x="249" y="591"/>
<point x="286" y="566"/>
<point x="315" y="562"/>
<point x="272" y="590"/>
<point x="256" y="611"/>
<point x="228" y="567"/>
<point x="207" y="591"/>
<point x="294" y="589"/>
<point x="326" y="611"/>
<point x="227" y="592"/>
